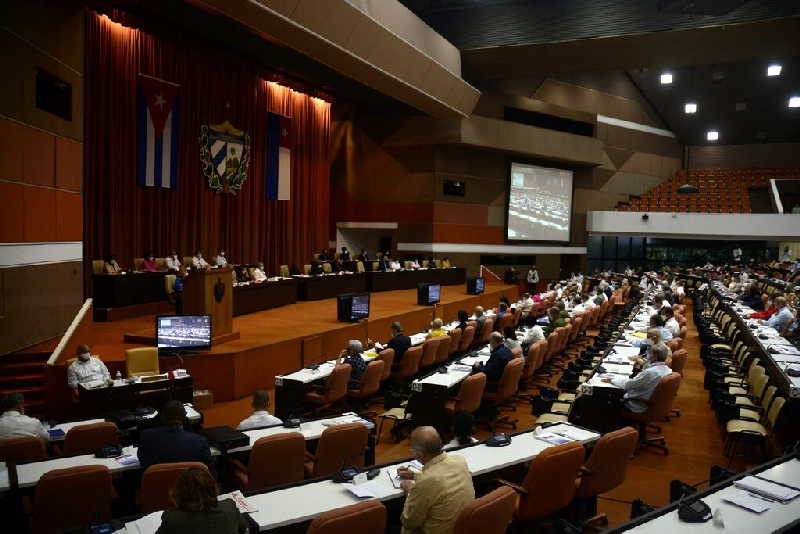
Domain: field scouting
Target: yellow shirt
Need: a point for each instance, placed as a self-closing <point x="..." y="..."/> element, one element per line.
<point x="436" y="333"/>
<point x="440" y="492"/>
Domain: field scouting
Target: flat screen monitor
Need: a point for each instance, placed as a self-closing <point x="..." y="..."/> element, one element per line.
<point x="539" y="203"/>
<point x="475" y="285"/>
<point x="428" y="294"/>
<point x="352" y="307"/>
<point x="183" y="332"/>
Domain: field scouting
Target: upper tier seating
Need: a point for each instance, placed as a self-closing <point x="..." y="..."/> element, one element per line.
<point x="721" y="191"/>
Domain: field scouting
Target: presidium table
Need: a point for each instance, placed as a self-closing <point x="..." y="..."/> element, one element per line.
<point x="329" y="285"/>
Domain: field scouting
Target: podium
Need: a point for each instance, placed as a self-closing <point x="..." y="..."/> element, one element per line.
<point x="210" y="292"/>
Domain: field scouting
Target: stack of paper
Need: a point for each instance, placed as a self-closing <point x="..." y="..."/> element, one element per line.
<point x="745" y="500"/>
<point x="766" y="488"/>
<point x="370" y="489"/>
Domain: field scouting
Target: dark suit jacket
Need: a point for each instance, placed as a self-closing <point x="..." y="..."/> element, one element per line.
<point x="316" y="268"/>
<point x="344" y="256"/>
<point x="383" y="265"/>
<point x="498" y="359"/>
<point x="400" y="344"/>
<point x="222" y="519"/>
<point x="169" y="443"/>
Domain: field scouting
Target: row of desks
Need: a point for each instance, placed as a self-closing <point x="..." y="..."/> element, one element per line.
<point x="114" y="291"/>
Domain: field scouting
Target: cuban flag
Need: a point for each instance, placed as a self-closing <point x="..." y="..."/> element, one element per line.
<point x="157" y="164"/>
<point x="279" y="157"/>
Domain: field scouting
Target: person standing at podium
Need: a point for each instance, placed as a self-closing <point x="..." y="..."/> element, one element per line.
<point x="198" y="262"/>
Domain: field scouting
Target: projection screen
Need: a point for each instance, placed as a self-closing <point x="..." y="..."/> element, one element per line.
<point x="539" y="203"/>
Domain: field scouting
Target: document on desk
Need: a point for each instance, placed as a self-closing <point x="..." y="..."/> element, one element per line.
<point x="745" y="500"/>
<point x="391" y="471"/>
<point x="371" y="489"/>
<point x="767" y="488"/>
<point x="144" y="525"/>
<point x="245" y="506"/>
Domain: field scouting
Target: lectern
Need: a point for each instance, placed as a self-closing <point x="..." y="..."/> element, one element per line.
<point x="210" y="292"/>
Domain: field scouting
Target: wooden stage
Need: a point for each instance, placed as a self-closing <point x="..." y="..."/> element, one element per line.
<point x="282" y="340"/>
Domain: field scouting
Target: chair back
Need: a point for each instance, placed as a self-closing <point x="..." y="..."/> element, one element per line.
<point x="284" y="271"/>
<point x="326" y="267"/>
<point x="775" y="411"/>
<point x="359" y="266"/>
<point x="88" y="439"/>
<point x="606" y="467"/>
<point x="169" y="283"/>
<point x="367" y="517"/>
<point x="539" y="352"/>
<point x="564" y="339"/>
<point x="22" y="449"/>
<point x="576" y="324"/>
<point x="387" y="357"/>
<point x="306" y="269"/>
<point x="558" y="466"/>
<point x="466" y="339"/>
<point x="486" y="331"/>
<point x="429" y="349"/>
<point x="370" y="380"/>
<point x="409" y="365"/>
<point x="71" y="498"/>
<point x="491" y="513"/>
<point x="340" y="446"/>
<point x="141" y="361"/>
<point x="509" y="381"/>
<point x="264" y="472"/>
<point x="138" y="264"/>
<point x="661" y="401"/>
<point x="470" y="394"/>
<point x="678" y="362"/>
<point x="336" y="386"/>
<point x="506" y="320"/>
<point x="443" y="351"/>
<point x="455" y="341"/>
<point x="674" y="344"/>
<point x="157" y="483"/>
<point x="97" y="266"/>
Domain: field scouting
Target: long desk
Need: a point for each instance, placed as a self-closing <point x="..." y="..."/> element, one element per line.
<point x="327" y="286"/>
<point x="127" y="396"/>
<point x="389" y="281"/>
<point x="778" y="518"/>
<point x="117" y="290"/>
<point x="263" y="296"/>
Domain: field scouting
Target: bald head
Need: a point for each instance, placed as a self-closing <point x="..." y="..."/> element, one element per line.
<point x="779" y="302"/>
<point x="495" y="339"/>
<point x="654" y="335"/>
<point x="426" y="442"/>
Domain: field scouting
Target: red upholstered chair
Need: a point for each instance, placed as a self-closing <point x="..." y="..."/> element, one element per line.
<point x="157" y="483"/>
<point x="88" y="439"/>
<point x="507" y="387"/>
<point x="491" y="513"/>
<point x="72" y="498"/>
<point x="467" y="338"/>
<point x="429" y="349"/>
<point x="659" y="407"/>
<point x="369" y="385"/>
<point x="409" y="365"/>
<point x="455" y="341"/>
<point x="367" y="517"/>
<point x="486" y="331"/>
<point x="22" y="449"/>
<point x="387" y="357"/>
<point x="469" y="395"/>
<point x="339" y="446"/>
<point x="443" y="350"/>
<point x="335" y="388"/>
<point x="263" y="471"/>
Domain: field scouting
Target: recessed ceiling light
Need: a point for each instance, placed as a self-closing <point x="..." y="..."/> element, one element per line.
<point x="691" y="107"/>
<point x="712" y="135"/>
<point x="794" y="101"/>
<point x="774" y="70"/>
<point x="666" y="78"/>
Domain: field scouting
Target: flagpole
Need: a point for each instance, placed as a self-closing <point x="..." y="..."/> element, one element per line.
<point x="162" y="80"/>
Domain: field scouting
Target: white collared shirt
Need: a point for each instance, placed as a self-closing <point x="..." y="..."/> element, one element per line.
<point x="259" y="275"/>
<point x="258" y="419"/>
<point x="173" y="263"/>
<point x="14" y="424"/>
<point x="81" y="372"/>
<point x="199" y="263"/>
<point x="221" y="261"/>
<point x="673" y="326"/>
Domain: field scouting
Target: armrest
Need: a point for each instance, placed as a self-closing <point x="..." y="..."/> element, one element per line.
<point x="585" y="470"/>
<point x="516" y="487"/>
<point x="238" y="465"/>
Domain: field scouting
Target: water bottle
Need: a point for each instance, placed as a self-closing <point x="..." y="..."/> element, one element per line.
<point x="118" y="378"/>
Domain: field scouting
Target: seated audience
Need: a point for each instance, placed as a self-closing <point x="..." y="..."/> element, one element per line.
<point x="336" y="266"/>
<point x="502" y="310"/>
<point x="170" y="442"/>
<point x="525" y="304"/>
<point x="534" y="334"/>
<point x="414" y="264"/>
<point x="363" y="257"/>
<point x="435" y="496"/>
<point x="463" y="317"/>
<point x="316" y="268"/>
<point x="463" y="428"/>
<point x="149" y="263"/>
<point x="400" y="342"/>
<point x="197" y="508"/>
<point x="499" y="356"/>
<point x="436" y="329"/>
<point x="111" y="266"/>
<point x="446" y="263"/>
<point x="783" y="316"/>
<point x="86" y="369"/>
<point x="394" y="265"/>
<point x="241" y="274"/>
<point x="198" y="262"/>
<point x="344" y="255"/>
<point x="352" y="355"/>
<point x="261" y="417"/>
<point x="554" y="320"/>
<point x="640" y="388"/>
<point x="259" y="274"/>
<point x="14" y="423"/>
<point x="752" y="298"/>
<point x="671" y="323"/>
<point x="511" y="339"/>
<point x="480" y="319"/>
<point x="173" y="262"/>
<point x="220" y="260"/>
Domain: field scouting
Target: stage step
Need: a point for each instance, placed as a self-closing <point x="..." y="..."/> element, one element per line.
<point x="21" y="380"/>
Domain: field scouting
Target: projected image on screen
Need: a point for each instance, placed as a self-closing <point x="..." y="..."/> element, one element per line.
<point x="183" y="331"/>
<point x="540" y="203"/>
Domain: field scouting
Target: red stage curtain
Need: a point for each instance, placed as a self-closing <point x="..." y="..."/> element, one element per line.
<point x="126" y="219"/>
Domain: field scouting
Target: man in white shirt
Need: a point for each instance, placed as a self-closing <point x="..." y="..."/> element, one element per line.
<point x="786" y="256"/>
<point x="85" y="369"/>
<point x="198" y="262"/>
<point x="394" y="265"/>
<point x="577" y="305"/>
<point x="588" y="301"/>
<point x="14" y="423"/>
<point x="532" y="279"/>
<point x="259" y="275"/>
<point x="220" y="260"/>
<point x="640" y="388"/>
<point x="173" y="262"/>
<point x="782" y="317"/>
<point x="671" y="323"/>
<point x="534" y="334"/>
<point x="525" y="304"/>
<point x="261" y="417"/>
<point x="737" y="255"/>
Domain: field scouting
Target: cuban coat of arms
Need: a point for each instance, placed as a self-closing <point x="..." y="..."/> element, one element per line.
<point x="225" y="156"/>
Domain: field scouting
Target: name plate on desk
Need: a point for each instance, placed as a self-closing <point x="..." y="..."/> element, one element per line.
<point x="279" y="381"/>
<point x="154" y="378"/>
<point x="416" y="386"/>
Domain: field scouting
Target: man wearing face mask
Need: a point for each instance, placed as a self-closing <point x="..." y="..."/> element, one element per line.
<point x="198" y="262"/>
<point x="220" y="260"/>
<point x="259" y="274"/>
<point x="86" y="369"/>
<point x="173" y="262"/>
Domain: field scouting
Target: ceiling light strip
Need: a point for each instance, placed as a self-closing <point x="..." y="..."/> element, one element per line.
<point x="478" y="248"/>
<point x="634" y="126"/>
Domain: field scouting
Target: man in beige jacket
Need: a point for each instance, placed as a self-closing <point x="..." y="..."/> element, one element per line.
<point x="436" y="496"/>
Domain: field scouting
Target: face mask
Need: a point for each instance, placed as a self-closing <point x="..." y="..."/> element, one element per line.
<point x="84" y="357"/>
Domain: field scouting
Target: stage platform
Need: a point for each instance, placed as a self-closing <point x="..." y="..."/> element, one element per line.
<point x="282" y="340"/>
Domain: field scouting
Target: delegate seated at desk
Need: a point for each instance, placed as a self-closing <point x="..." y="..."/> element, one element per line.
<point x="173" y="262"/>
<point x="437" y="329"/>
<point x="640" y="388"/>
<point x="111" y="266"/>
<point x="344" y="255"/>
<point x="499" y="356"/>
<point x="149" y="263"/>
<point x="261" y="417"/>
<point x="436" y="496"/>
<point x="259" y="274"/>
<point x="170" y="442"/>
<point x="198" y="262"/>
<point x="400" y="342"/>
<point x="14" y="423"/>
<point x="783" y="316"/>
<point x="86" y="369"/>
<point x="316" y="269"/>
<point x="352" y="356"/>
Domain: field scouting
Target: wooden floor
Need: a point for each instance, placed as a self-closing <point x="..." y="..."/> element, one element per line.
<point x="694" y="440"/>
